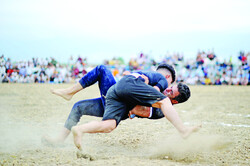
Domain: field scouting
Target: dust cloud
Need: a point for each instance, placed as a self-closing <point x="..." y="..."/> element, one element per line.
<point x="176" y="148"/>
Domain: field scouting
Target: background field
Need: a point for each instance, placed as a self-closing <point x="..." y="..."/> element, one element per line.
<point x="28" y="111"/>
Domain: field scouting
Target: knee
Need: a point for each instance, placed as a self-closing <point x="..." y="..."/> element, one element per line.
<point x="75" y="111"/>
<point x="75" y="108"/>
<point x="108" y="126"/>
<point x="101" y="68"/>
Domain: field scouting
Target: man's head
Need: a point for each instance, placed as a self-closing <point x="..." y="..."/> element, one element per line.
<point x="178" y="93"/>
<point x="168" y="71"/>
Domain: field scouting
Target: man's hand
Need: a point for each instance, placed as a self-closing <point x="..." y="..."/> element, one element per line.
<point x="141" y="111"/>
<point x="157" y="88"/>
<point x="145" y="78"/>
<point x="126" y="73"/>
<point x="142" y="76"/>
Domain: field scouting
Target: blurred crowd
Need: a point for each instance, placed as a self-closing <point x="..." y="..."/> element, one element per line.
<point x="39" y="70"/>
<point x="205" y="69"/>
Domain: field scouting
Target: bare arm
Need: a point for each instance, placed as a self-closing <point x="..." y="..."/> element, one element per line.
<point x="126" y="73"/>
<point x="141" y="111"/>
<point x="171" y="115"/>
<point x="157" y="88"/>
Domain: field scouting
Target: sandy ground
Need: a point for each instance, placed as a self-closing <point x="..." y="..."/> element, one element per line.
<point x="28" y="111"/>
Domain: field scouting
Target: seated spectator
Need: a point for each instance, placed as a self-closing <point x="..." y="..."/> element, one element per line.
<point x="217" y="81"/>
<point x="5" y="79"/>
<point x="248" y="78"/>
<point x="224" y="79"/>
<point x="235" y="80"/>
<point x="207" y="80"/>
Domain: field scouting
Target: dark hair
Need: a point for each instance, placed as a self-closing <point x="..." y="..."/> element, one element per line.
<point x="168" y="67"/>
<point x="184" y="93"/>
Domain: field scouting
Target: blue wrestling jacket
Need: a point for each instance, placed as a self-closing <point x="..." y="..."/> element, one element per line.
<point x="155" y="79"/>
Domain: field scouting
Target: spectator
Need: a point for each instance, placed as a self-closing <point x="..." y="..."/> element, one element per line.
<point x="207" y="80"/>
<point x="5" y="79"/>
<point x="205" y="69"/>
<point x="217" y="81"/>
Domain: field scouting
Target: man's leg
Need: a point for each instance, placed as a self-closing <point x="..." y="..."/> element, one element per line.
<point x="171" y="114"/>
<point x="99" y="74"/>
<point x="92" y="107"/>
<point x="69" y="92"/>
<point x="115" y="111"/>
<point x="95" y="108"/>
<point x="105" y="126"/>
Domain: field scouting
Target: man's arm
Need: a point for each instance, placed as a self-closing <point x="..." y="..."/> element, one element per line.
<point x="146" y="112"/>
<point x="126" y="73"/>
<point x="141" y="111"/>
<point x="171" y="115"/>
<point x="157" y="88"/>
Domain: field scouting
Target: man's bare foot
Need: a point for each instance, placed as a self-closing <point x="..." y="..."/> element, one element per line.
<point x="79" y="154"/>
<point x="63" y="93"/>
<point x="190" y="130"/>
<point x="77" y="137"/>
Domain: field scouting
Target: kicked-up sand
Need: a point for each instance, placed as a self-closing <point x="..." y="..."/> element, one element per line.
<point x="29" y="111"/>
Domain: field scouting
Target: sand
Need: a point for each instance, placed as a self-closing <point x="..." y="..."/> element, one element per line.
<point x="29" y="111"/>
